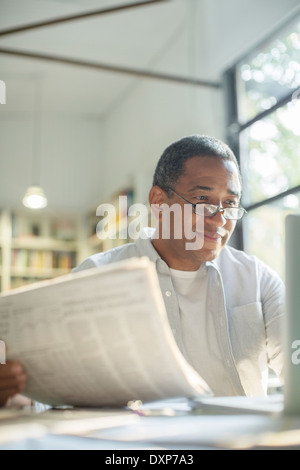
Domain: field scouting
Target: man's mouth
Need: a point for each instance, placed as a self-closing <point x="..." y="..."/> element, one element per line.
<point x="213" y="236"/>
<point x="200" y="237"/>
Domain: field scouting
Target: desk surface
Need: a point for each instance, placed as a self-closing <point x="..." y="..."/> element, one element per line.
<point x="163" y="426"/>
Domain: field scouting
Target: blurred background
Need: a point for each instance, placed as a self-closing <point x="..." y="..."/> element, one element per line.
<point x="92" y="91"/>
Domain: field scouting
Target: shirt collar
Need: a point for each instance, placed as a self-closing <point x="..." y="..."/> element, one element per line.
<point x="146" y="248"/>
<point x="144" y="245"/>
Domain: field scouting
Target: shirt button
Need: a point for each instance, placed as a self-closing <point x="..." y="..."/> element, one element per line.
<point x="174" y="331"/>
<point x="168" y="293"/>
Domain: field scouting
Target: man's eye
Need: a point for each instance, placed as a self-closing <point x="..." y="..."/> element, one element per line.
<point x="231" y="203"/>
<point x="201" y="198"/>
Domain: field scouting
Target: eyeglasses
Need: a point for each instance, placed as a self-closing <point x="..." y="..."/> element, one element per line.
<point x="209" y="210"/>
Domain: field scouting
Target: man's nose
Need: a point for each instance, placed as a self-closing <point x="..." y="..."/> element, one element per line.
<point x="218" y="219"/>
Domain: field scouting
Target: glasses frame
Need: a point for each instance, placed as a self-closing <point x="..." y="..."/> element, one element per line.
<point x="217" y="208"/>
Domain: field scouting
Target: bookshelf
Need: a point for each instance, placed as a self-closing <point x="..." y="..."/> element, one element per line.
<point x="34" y="247"/>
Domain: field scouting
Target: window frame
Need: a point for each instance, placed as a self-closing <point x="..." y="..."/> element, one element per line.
<point x="233" y="127"/>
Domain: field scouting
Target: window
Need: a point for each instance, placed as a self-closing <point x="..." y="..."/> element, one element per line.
<point x="263" y="128"/>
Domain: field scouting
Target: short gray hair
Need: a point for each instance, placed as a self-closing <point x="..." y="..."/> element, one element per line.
<point x="170" y="166"/>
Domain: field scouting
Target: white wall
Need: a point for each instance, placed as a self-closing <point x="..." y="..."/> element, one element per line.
<point x="82" y="140"/>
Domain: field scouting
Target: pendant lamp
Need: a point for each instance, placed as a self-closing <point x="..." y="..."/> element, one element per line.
<point x="35" y="197"/>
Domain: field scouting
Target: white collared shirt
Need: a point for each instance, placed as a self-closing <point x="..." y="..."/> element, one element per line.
<point x="245" y="302"/>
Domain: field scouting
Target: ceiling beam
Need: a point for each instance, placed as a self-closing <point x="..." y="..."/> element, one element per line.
<point x="112" y="68"/>
<point x="81" y="16"/>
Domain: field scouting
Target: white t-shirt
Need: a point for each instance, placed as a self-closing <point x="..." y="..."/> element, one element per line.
<point x="198" y="330"/>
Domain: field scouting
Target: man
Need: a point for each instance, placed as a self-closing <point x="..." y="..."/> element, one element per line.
<point x="225" y="308"/>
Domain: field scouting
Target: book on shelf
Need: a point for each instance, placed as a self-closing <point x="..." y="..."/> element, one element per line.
<point x="42" y="259"/>
<point x="99" y="337"/>
<point x="20" y="281"/>
<point x="25" y="227"/>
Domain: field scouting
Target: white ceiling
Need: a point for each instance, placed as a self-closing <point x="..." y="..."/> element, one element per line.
<point x="131" y="39"/>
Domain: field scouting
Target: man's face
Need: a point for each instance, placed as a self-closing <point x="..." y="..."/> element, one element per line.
<point x="210" y="180"/>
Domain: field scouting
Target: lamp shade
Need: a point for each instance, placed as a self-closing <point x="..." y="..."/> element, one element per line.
<point x="35" y="198"/>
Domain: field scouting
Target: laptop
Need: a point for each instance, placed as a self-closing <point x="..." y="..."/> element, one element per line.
<point x="292" y="333"/>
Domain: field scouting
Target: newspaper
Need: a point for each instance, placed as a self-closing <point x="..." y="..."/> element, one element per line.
<point x="97" y="338"/>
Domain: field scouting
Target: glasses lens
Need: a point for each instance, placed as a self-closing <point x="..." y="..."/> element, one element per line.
<point x="209" y="210"/>
<point x="233" y="213"/>
<point x="206" y="210"/>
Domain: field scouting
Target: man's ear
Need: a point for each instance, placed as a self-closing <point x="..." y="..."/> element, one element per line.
<point x="157" y="197"/>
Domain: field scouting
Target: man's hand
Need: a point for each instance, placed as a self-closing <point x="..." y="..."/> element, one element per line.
<point x="12" y="380"/>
